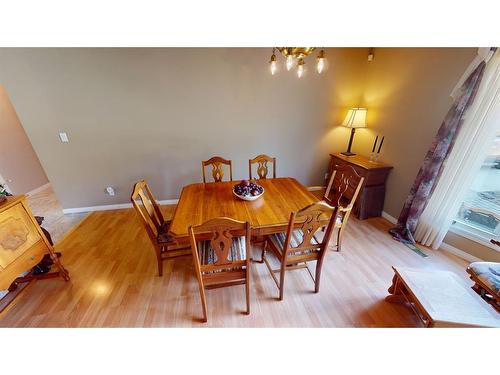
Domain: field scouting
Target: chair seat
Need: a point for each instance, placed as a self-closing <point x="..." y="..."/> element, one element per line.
<point x="296" y="240"/>
<point x="488" y="273"/>
<point x="163" y="236"/>
<point x="208" y="256"/>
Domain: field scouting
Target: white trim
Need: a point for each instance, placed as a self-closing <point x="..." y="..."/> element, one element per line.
<point x="389" y="218"/>
<point x="459" y="253"/>
<point x="38" y="189"/>
<point x="471" y="236"/>
<point x="108" y="207"/>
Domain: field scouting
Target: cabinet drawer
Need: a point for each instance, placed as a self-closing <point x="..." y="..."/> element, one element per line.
<point x="26" y="261"/>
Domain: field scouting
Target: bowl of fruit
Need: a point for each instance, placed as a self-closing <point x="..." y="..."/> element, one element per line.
<point x="248" y="190"/>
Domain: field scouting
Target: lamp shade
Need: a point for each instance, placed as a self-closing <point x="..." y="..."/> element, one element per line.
<point x="356" y="118"/>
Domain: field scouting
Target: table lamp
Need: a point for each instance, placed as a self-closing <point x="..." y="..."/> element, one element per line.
<point x="356" y="118"/>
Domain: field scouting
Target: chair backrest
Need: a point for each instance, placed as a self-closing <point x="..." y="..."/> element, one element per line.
<point x="343" y="187"/>
<point x="310" y="220"/>
<point x="262" y="168"/>
<point x="217" y="170"/>
<point x="147" y="208"/>
<point x="220" y="232"/>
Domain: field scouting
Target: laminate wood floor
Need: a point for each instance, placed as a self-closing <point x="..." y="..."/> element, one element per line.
<point x="114" y="283"/>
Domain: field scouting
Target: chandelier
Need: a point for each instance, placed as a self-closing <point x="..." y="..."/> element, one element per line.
<point x="295" y="56"/>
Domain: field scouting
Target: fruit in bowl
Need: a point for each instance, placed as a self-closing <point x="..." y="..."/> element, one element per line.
<point x="248" y="190"/>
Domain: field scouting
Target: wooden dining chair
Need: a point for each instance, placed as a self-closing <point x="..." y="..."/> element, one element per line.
<point x="262" y="168"/>
<point x="221" y="255"/>
<point x="217" y="170"/>
<point x="157" y="228"/>
<point x="342" y="191"/>
<point x="299" y="245"/>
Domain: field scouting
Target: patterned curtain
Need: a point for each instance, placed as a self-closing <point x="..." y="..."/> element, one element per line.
<point x="432" y="166"/>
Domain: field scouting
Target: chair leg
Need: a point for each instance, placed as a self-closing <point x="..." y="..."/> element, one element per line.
<point x="317" y="279"/>
<point x="159" y="259"/>
<point x="247" y="292"/>
<point x="339" y="240"/>
<point x="282" y="280"/>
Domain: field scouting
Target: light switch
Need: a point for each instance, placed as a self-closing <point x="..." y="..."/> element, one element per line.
<point x="64" y="137"/>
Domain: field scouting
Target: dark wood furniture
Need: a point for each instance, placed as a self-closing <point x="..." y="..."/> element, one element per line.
<point x="217" y="170"/>
<point x="262" y="167"/>
<point x="223" y="258"/>
<point x="342" y="191"/>
<point x="370" y="202"/>
<point x="157" y="228"/>
<point x="485" y="277"/>
<point x="22" y="246"/>
<point x="268" y="214"/>
<point x="299" y="244"/>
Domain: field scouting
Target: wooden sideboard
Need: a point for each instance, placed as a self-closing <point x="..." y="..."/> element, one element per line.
<point x="22" y="244"/>
<point x="370" y="202"/>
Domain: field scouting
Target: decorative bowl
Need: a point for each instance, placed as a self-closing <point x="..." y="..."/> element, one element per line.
<point x="250" y="197"/>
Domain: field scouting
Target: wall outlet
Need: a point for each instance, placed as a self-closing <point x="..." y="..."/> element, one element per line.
<point x="110" y="191"/>
<point x="64" y="137"/>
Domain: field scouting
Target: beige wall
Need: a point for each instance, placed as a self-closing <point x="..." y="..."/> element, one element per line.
<point x="19" y="165"/>
<point x="156" y="113"/>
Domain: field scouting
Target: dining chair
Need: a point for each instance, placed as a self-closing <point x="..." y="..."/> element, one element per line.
<point x="221" y="256"/>
<point x="300" y="245"/>
<point x="217" y="170"/>
<point x="157" y="228"/>
<point x="342" y="191"/>
<point x="262" y="168"/>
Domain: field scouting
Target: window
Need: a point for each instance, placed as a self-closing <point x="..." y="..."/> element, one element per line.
<point x="479" y="214"/>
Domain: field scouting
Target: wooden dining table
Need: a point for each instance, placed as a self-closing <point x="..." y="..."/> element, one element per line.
<point x="268" y="214"/>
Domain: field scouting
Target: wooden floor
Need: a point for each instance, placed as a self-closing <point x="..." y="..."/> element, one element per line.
<point x="114" y="284"/>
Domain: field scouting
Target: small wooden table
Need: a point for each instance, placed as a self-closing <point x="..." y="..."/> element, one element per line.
<point x="370" y="202"/>
<point x="439" y="299"/>
<point x="268" y="214"/>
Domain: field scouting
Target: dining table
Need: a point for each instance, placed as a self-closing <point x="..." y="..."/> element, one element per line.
<point x="268" y="214"/>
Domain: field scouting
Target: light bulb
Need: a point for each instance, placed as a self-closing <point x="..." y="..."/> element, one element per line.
<point x="289" y="62"/>
<point x="320" y="66"/>
<point x="273" y="67"/>
<point x="272" y="63"/>
<point x="300" y="69"/>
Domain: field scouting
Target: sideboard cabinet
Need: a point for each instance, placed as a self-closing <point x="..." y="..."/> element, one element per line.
<point x="370" y="201"/>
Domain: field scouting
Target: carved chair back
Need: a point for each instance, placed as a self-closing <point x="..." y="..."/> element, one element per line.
<point x="217" y="168"/>
<point x="148" y="210"/>
<point x="262" y="166"/>
<point x="220" y="232"/>
<point x="310" y="220"/>
<point x="343" y="189"/>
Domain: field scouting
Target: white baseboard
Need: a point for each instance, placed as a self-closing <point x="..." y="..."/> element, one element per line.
<point x="38" y="189"/>
<point x="108" y="207"/>
<point x="389" y="218"/>
<point x="459" y="253"/>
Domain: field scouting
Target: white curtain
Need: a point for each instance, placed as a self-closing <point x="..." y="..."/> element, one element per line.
<point x="476" y="136"/>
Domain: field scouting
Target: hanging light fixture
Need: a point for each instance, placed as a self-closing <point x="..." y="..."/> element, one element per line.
<point x="273" y="66"/>
<point x="297" y="55"/>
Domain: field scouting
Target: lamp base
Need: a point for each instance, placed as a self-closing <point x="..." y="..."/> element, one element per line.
<point x="347" y="153"/>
